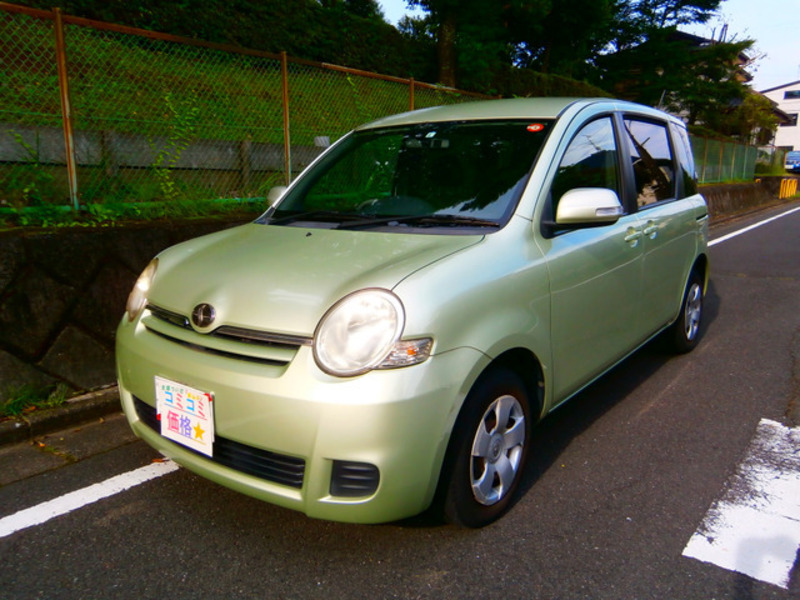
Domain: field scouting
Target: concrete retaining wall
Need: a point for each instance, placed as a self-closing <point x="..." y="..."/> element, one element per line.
<point x="734" y="198"/>
<point x="63" y="291"/>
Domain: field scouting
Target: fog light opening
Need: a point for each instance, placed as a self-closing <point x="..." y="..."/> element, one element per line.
<point x="354" y="479"/>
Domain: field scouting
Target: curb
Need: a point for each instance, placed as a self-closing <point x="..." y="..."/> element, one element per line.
<point x="78" y="409"/>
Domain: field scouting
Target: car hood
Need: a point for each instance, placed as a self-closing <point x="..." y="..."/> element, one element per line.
<point x="283" y="279"/>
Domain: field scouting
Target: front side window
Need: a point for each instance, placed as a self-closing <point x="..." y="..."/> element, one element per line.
<point x="454" y="173"/>
<point x="590" y="161"/>
<point x="651" y="156"/>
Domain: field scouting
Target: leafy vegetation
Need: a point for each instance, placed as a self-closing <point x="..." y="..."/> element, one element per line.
<point x="28" y="182"/>
<point x="112" y="214"/>
<point x="28" y="398"/>
<point x="348" y="32"/>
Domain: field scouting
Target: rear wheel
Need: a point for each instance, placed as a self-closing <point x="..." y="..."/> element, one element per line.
<point x="684" y="334"/>
<point x="487" y="451"/>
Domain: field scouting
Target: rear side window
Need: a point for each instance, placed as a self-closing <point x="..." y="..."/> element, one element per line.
<point x="650" y="154"/>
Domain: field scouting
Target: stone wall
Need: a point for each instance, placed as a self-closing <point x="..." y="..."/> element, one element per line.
<point x="63" y="291"/>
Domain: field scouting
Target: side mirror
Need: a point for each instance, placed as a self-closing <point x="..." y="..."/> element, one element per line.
<point x="275" y="194"/>
<point x="588" y="206"/>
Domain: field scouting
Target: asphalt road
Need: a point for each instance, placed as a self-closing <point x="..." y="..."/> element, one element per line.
<point x="620" y="479"/>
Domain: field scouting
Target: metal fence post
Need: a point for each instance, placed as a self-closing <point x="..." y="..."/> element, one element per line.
<point x="287" y="147"/>
<point x="66" y="109"/>
<point x="411" y="94"/>
<point x="705" y="160"/>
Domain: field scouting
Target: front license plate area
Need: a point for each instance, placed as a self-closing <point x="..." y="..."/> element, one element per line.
<point x="186" y="415"/>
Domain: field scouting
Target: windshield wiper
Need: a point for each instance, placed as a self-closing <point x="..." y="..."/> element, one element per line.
<point x="313" y="215"/>
<point x="422" y="221"/>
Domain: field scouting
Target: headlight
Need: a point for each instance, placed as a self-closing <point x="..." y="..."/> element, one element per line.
<point x="138" y="296"/>
<point x="359" y="332"/>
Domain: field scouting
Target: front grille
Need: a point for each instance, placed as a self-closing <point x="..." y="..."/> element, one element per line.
<point x="270" y="348"/>
<point x="170" y="317"/>
<point x="271" y="466"/>
<point x="239" y="334"/>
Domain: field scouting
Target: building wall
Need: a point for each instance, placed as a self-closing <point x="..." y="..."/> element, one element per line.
<point x="787" y="97"/>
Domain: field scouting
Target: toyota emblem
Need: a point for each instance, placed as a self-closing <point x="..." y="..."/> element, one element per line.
<point x="203" y="315"/>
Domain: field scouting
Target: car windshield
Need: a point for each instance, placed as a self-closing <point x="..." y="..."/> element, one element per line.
<point x="793" y="156"/>
<point x="454" y="175"/>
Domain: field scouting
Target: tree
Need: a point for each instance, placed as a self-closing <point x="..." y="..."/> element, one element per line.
<point x="683" y="73"/>
<point x="755" y="120"/>
<point x="751" y="121"/>
<point x="444" y="15"/>
<point x="711" y="85"/>
<point x="660" y="14"/>
<point x="476" y="37"/>
<point x="366" y="9"/>
<point x="473" y="37"/>
<point x="563" y="36"/>
<point x="635" y="20"/>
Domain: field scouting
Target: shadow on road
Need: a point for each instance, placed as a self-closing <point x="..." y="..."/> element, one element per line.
<point x="554" y="433"/>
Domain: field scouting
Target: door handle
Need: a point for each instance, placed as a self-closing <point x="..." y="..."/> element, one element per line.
<point x="651" y="230"/>
<point x="632" y="236"/>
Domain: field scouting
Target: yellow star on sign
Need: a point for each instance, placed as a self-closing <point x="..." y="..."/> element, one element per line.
<point x="198" y="432"/>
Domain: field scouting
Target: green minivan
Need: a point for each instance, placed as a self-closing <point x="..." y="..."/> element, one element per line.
<point x="384" y="337"/>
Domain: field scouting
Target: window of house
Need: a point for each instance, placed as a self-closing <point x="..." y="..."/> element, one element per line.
<point x="792" y="121"/>
<point x="791" y="95"/>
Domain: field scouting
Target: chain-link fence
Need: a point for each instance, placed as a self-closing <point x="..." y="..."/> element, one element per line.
<point x="723" y="161"/>
<point x="95" y="113"/>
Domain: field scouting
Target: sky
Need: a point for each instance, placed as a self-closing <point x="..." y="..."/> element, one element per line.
<point x="773" y="24"/>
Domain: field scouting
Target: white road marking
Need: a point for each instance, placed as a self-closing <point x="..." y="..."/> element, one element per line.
<point x="754" y="529"/>
<point x="36" y="515"/>
<point x="733" y="234"/>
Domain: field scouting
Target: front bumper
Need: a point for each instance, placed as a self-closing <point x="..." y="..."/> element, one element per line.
<point x="309" y="422"/>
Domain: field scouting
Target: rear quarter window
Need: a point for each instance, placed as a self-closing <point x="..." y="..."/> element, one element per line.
<point x="683" y="147"/>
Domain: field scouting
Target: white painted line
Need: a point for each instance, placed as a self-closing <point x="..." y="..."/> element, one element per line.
<point x="754" y="529"/>
<point x="751" y="227"/>
<point x="36" y="515"/>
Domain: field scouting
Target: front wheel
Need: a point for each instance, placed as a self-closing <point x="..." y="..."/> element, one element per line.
<point x="487" y="451"/>
<point x="684" y="334"/>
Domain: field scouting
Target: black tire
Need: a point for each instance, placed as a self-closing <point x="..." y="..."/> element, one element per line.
<point x="684" y="333"/>
<point x="487" y="451"/>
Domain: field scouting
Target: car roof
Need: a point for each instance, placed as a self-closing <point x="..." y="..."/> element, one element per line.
<point x="511" y="108"/>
